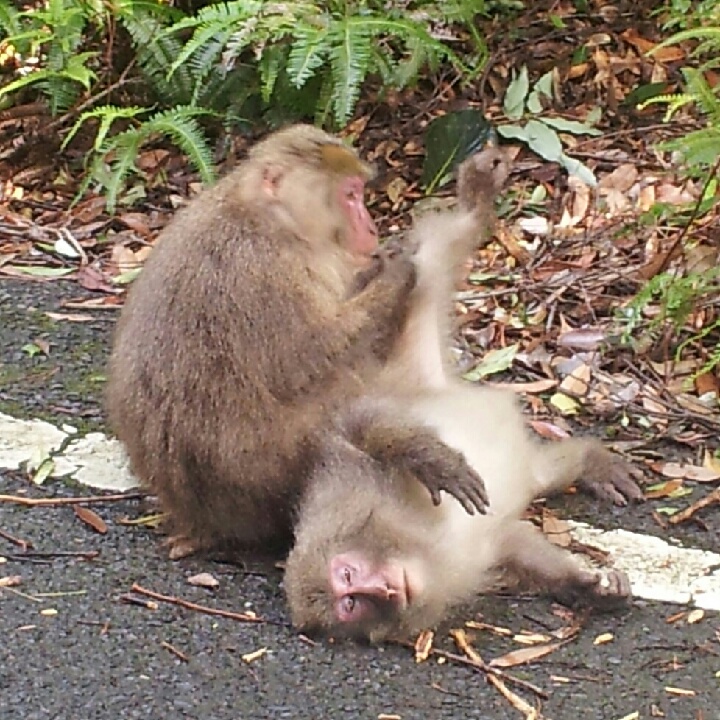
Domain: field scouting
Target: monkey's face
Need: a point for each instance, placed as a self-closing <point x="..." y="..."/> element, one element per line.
<point x="316" y="185"/>
<point x="359" y="593"/>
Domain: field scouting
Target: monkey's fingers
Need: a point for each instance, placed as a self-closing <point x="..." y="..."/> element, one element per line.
<point x="468" y="491"/>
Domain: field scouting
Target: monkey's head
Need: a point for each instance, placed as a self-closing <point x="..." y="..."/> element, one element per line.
<point x="362" y="565"/>
<point x="315" y="184"/>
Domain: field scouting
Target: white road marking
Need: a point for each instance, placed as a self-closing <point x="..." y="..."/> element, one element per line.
<point x="658" y="569"/>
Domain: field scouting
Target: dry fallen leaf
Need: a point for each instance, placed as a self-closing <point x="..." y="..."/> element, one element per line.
<point x="695" y="616"/>
<point x="556" y="530"/>
<point x="524" y="655"/>
<point x="10" y="581"/>
<point x="603" y="639"/>
<point x="204" y="580"/>
<point x="664" y="490"/>
<point x="689" y="472"/>
<point x="577" y="382"/>
<point x="91" y="518"/>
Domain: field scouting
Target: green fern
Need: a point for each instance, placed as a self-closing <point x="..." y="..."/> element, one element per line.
<point x="9" y="19"/>
<point x="179" y="125"/>
<point x="326" y="40"/>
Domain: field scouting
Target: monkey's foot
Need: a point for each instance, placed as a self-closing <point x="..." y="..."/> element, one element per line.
<point x="181" y="546"/>
<point x="604" y="589"/>
<point x="612" y="478"/>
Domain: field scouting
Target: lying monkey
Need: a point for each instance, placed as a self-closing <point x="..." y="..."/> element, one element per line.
<point x="373" y="557"/>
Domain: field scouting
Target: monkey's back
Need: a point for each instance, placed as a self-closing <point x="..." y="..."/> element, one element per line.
<point x="209" y="391"/>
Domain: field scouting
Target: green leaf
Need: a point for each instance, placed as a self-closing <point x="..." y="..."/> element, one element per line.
<point x="127" y="277"/>
<point x="565" y="404"/>
<point x="43" y="471"/>
<point x="513" y="132"/>
<point x="580" y="170"/>
<point x="541" y="89"/>
<point x="495" y="361"/>
<point x="449" y="140"/>
<point x="571" y="126"/>
<point x="544" y="140"/>
<point x="514" y="101"/>
<point x="31" y="349"/>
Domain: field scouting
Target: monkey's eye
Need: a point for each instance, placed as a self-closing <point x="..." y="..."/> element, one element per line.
<point x="347" y="575"/>
<point x="348" y="604"/>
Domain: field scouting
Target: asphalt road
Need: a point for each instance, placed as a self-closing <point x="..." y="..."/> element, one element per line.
<point x="72" y="648"/>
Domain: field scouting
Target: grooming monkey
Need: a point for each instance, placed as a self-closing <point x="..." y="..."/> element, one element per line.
<point x="373" y="557"/>
<point x="244" y="334"/>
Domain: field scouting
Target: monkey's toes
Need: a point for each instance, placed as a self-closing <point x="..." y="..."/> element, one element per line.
<point x="618" y="484"/>
<point x="612" y="587"/>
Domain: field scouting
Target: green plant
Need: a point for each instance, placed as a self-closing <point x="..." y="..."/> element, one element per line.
<point x="54" y="33"/>
<point x="229" y="62"/>
<point x="677" y="297"/>
<point x="114" y="157"/>
<point x="540" y="131"/>
<point x="338" y="44"/>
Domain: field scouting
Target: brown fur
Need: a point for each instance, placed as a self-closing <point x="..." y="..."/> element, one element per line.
<point x="238" y="340"/>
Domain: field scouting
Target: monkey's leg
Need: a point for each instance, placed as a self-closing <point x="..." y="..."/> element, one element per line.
<point x="417" y="451"/>
<point x="531" y="556"/>
<point x="593" y="467"/>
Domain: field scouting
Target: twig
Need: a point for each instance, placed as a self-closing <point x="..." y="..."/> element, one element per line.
<point x="85" y="554"/>
<point x="690" y="510"/>
<point x="530" y="712"/>
<point x="482" y="666"/>
<point x="53" y="502"/>
<point x="91" y="100"/>
<point x="177" y="653"/>
<point x="241" y="617"/>
<point x="22" y="544"/>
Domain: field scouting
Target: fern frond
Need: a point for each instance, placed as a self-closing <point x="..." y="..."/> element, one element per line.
<point x="125" y="148"/>
<point x="350" y="56"/>
<point x="155" y="55"/>
<point x="705" y="96"/>
<point x="270" y="66"/>
<point x="700" y="148"/>
<point x="675" y="101"/>
<point x="310" y="49"/>
<point x="9" y="19"/>
<point x="107" y="114"/>
<point x="181" y="126"/>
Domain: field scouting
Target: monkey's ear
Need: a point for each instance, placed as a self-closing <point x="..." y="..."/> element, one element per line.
<point x="272" y="176"/>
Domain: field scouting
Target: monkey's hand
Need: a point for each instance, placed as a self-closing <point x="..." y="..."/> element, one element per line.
<point x="480" y="179"/>
<point x="414" y="451"/>
<point x="441" y="468"/>
<point x="609" y="477"/>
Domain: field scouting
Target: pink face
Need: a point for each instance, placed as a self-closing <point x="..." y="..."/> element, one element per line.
<point x="362" y="234"/>
<point x="364" y="590"/>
